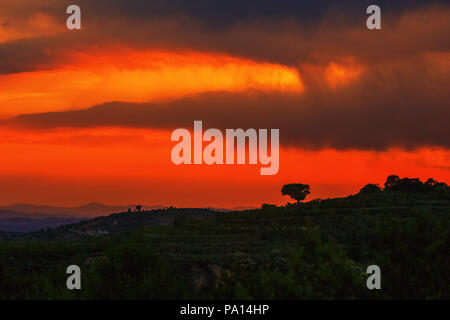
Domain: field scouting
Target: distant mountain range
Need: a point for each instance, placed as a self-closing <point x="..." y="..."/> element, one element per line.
<point x="28" y="217"/>
<point x="31" y="224"/>
<point x="111" y="224"/>
<point x="85" y="211"/>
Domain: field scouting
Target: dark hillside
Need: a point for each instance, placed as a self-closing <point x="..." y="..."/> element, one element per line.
<point x="315" y="250"/>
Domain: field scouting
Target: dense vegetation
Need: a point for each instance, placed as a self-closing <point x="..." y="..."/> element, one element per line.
<point x="316" y="250"/>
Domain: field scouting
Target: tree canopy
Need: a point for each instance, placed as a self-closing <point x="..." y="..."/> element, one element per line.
<point x="296" y="191"/>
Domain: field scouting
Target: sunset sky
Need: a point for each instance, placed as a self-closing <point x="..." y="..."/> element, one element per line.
<point x="86" y="115"/>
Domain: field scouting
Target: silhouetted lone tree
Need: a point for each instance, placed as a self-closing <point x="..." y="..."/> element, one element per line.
<point x="296" y="191"/>
<point x="138" y="208"/>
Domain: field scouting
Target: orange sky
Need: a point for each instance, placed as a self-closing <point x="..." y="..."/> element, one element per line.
<point x="119" y="166"/>
<point x="85" y="79"/>
<point x="123" y="165"/>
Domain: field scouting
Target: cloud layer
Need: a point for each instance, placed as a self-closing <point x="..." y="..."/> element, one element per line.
<point x="363" y="89"/>
<point x="297" y="32"/>
<point x="381" y="109"/>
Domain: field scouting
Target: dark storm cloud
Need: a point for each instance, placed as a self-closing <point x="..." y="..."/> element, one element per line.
<point x="223" y="13"/>
<point x="402" y="98"/>
<point x="406" y="108"/>
<point x="288" y="32"/>
<point x="41" y="53"/>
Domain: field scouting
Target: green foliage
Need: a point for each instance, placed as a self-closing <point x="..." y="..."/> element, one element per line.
<point x="268" y="253"/>
<point x="315" y="270"/>
<point x="130" y="270"/>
